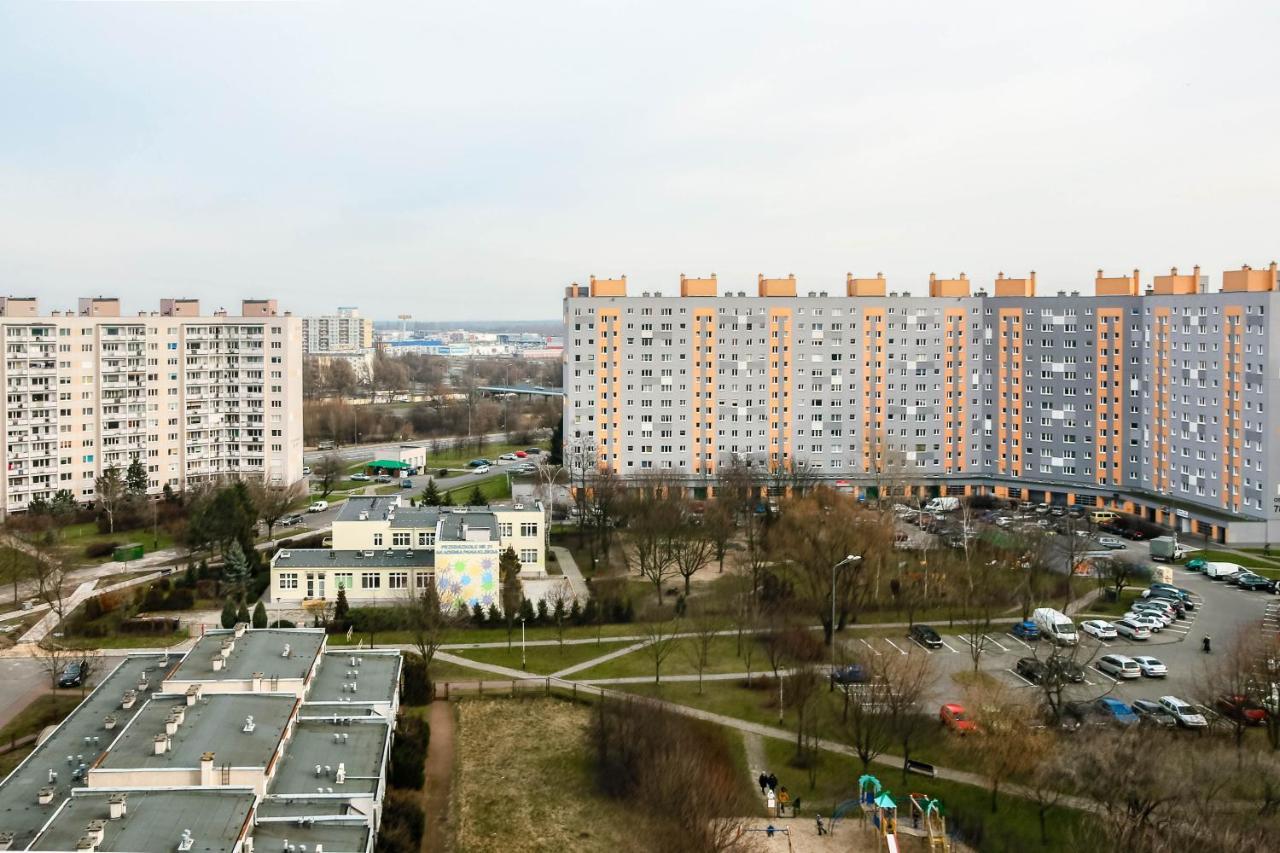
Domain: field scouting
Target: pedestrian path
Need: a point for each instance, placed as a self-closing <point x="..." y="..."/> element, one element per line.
<point x="588" y="664"/>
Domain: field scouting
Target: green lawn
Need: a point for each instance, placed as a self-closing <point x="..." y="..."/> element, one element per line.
<point x="495" y="635"/>
<point x="75" y="538"/>
<point x="459" y="457"/>
<point x="723" y="657"/>
<point x="543" y="660"/>
<point x="12" y="758"/>
<point x="494" y="489"/>
<point x="1258" y="562"/>
<point x="1119" y="607"/>
<point x="1015" y="827"/>
<point x="44" y="710"/>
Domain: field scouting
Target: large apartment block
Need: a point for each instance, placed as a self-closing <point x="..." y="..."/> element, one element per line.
<point x="192" y="397"/>
<point x="1152" y="399"/>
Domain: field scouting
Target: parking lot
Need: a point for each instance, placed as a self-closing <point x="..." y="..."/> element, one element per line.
<point x="1220" y="611"/>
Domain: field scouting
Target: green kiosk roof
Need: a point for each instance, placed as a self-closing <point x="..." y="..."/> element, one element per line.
<point x="388" y="463"/>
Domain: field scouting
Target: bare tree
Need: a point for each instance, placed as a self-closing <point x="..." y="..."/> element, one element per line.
<point x="53" y="658"/>
<point x="652" y="531"/>
<point x="661" y="639"/>
<point x="1119" y="572"/>
<point x="559" y="599"/>
<point x="428" y="621"/>
<point x="702" y="630"/>
<point x="868" y="724"/>
<point x="718" y="526"/>
<point x="273" y="500"/>
<point x="328" y="471"/>
<point x="691" y="550"/>
<point x="1244" y="680"/>
<point x="803" y="690"/>
<point x="1000" y="740"/>
<point x="111" y="494"/>
<point x="907" y="679"/>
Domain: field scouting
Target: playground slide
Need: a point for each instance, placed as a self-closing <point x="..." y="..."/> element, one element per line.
<point x="892" y="841"/>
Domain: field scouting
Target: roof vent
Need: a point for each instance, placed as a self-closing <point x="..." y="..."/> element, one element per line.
<point x="117" y="806"/>
<point x="285" y="652"/>
<point x="333" y="555"/>
<point x="185" y="842"/>
<point x="409" y="553"/>
<point x="284" y="555"/>
<point x="518" y="506"/>
<point x="368" y="553"/>
<point x="248" y="725"/>
<point x="387" y="553"/>
<point x="364" y="515"/>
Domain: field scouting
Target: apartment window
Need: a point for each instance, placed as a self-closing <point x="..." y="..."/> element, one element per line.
<point x="289" y="580"/>
<point x="370" y="580"/>
<point x="528" y="528"/>
<point x="344" y="580"/>
<point x="400" y="540"/>
<point x="377" y="540"/>
<point x="528" y="555"/>
<point x="426" y="538"/>
<point x="398" y="580"/>
<point x="504" y="529"/>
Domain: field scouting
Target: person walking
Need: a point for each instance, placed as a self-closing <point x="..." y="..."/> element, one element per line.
<point x="822" y="829"/>
<point x="773" y="782"/>
<point x="784" y="799"/>
<point x="764" y="782"/>
<point x="771" y="802"/>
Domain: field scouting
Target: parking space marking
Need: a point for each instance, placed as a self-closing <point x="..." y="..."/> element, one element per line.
<point x="1018" y="640"/>
<point x="895" y="645"/>
<point x="1103" y="674"/>
<point x="1021" y="678"/>
<point x="953" y="651"/>
<point x="994" y="640"/>
<point x="868" y="645"/>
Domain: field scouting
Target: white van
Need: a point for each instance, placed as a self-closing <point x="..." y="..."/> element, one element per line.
<point x="318" y="506"/>
<point x="1055" y="626"/>
<point x="1220" y="571"/>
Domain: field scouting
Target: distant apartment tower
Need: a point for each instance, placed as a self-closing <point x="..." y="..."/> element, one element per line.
<point x="1152" y="400"/>
<point x="345" y="331"/>
<point x="194" y="398"/>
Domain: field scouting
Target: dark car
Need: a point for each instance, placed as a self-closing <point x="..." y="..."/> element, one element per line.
<point x="74" y="674"/>
<point x="406" y="483"/>
<point x="925" y="636"/>
<point x="477" y="463"/>
<point x="1069" y="670"/>
<point x="853" y="673"/>
<point x="291" y="520"/>
<point x="1152" y="714"/>
<point x="1257" y="583"/>
<point x="1114" y="711"/>
<point x="1242" y="709"/>
<point x="1026" y="630"/>
<point x="1031" y="669"/>
<point x="1078" y="714"/>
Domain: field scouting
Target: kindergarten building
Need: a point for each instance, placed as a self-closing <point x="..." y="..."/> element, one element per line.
<point x="386" y="551"/>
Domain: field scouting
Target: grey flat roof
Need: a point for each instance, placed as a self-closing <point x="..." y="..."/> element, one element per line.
<point x="376" y="678"/>
<point x="344" y="836"/>
<point x="451" y="528"/>
<point x="154" y="820"/>
<point x="258" y="650"/>
<point x="306" y="807"/>
<point x="313" y="744"/>
<point x="375" y="505"/>
<point x="213" y="724"/>
<point x="329" y="558"/>
<point x="19" y="812"/>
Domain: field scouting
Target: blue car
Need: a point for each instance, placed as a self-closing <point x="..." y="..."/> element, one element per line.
<point x="1026" y="630"/>
<point x="849" y="674"/>
<point x="1115" y="711"/>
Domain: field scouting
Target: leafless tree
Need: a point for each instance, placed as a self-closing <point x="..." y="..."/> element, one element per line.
<point x="1119" y="572"/>
<point x="1244" y="676"/>
<point x="273" y="500"/>
<point x="691" y="550"/>
<point x="702" y="630"/>
<point x="868" y="725"/>
<point x="804" y="688"/>
<point x="653" y="525"/>
<point x="907" y="679"/>
<point x="560" y="598"/>
<point x="1000" y="741"/>
<point x="661" y="640"/>
<point x="328" y="471"/>
<point x="53" y="657"/>
<point x="719" y="527"/>
<point x="111" y="494"/>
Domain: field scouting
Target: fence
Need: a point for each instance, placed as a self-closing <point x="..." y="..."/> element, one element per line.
<point x="544" y="686"/>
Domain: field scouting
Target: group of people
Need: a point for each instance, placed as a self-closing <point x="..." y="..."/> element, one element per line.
<point x="778" y="800"/>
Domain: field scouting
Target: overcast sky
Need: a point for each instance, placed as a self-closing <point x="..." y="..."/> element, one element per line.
<point x="468" y="160"/>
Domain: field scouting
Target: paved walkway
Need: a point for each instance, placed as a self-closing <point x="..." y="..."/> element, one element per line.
<point x="572" y="573"/>
<point x="587" y="664"/>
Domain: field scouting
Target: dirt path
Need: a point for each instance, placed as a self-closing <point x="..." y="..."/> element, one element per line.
<point x="436" y="833"/>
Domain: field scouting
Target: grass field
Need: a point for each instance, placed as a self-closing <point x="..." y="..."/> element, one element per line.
<point x="494" y="489"/>
<point x="543" y="660"/>
<point x="127" y="641"/>
<point x="459" y="457"/>
<point x="44" y="710"/>
<point x="523" y="782"/>
<point x="75" y="538"/>
<point x="723" y="657"/>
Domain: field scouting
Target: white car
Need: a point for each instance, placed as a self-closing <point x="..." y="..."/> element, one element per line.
<point x="1151" y="667"/>
<point x="318" y="506"/>
<point x="360" y="477"/>
<point x="1099" y="629"/>
<point x="1165" y="615"/>
<point x="1183" y="712"/>
<point x="1111" y="542"/>
<point x="506" y="457"/>
<point x="1132" y="630"/>
<point x="482" y="469"/>
<point x="1119" y="666"/>
<point x="1150" y="622"/>
<point x="306" y="470"/>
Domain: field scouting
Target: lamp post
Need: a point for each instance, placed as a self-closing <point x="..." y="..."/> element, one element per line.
<point x="523" y="663"/>
<point x="852" y="558"/>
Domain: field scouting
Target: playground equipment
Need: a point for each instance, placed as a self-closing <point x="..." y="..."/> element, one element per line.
<point x="881" y="809"/>
<point x="926" y="814"/>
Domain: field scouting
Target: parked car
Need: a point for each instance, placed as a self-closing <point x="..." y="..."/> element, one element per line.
<point x="483" y="469"/>
<point x="1242" y="709"/>
<point x="1152" y="713"/>
<point x="1115" y="711"/>
<point x="383" y="478"/>
<point x="1164" y="606"/>
<point x="1098" y="629"/>
<point x="853" y="673"/>
<point x="478" y="463"/>
<point x="1131" y="630"/>
<point x="533" y="451"/>
<point x="1026" y="630"/>
<point x="506" y="457"/>
<point x="291" y="520"/>
<point x="1184" y="712"/>
<point x="1111" y="542"/>
<point x="1196" y="564"/>
<point x="318" y="506"/>
<point x="1119" y="666"/>
<point x="925" y="636"/>
<point x="1256" y="583"/>
<point x="360" y="478"/>
<point x="406" y="483"/>
<point x="521" y="454"/>
<point x="954" y="717"/>
<point x="74" y="674"/>
<point x="1150" y="621"/>
<point x="1151" y="667"/>
<point x="306" y="470"/>
<point x="1077" y="714"/>
<point x="1031" y="669"/>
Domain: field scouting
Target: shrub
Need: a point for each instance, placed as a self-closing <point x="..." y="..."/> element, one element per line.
<point x="100" y="549"/>
<point x="409" y="753"/>
<point x="259" y="615"/>
<point x="228" y="614"/>
<point x="402" y="822"/>
<point x="416" y="685"/>
<point x="283" y="623"/>
<point x="148" y="626"/>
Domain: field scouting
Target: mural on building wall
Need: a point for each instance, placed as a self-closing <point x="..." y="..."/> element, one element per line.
<point x="467" y="573"/>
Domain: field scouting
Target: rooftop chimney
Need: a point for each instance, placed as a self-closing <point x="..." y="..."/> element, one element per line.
<point x="117" y="806"/>
<point x="206" y="770"/>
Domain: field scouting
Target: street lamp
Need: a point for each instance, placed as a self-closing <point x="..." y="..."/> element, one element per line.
<point x="852" y="558"/>
<point x="523" y="662"/>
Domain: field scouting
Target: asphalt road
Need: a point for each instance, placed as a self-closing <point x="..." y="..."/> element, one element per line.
<point x="352" y="452"/>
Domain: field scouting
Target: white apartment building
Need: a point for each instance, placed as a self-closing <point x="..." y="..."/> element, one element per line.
<point x="193" y="397"/>
<point x="345" y="331"/>
<point x="386" y="551"/>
